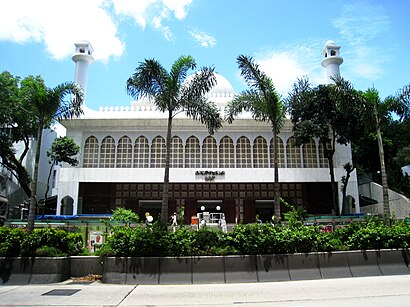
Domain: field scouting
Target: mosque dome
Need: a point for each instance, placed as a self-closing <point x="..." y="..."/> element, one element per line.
<point x="222" y="86"/>
<point x="222" y="92"/>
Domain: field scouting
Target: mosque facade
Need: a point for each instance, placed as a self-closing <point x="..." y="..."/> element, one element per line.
<point x="122" y="160"/>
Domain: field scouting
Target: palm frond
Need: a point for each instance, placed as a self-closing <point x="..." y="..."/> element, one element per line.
<point x="67" y="98"/>
<point x="206" y="113"/>
<point x="179" y="71"/>
<point x="251" y="72"/>
<point x="402" y="107"/>
<point x="200" y="83"/>
<point x="150" y="79"/>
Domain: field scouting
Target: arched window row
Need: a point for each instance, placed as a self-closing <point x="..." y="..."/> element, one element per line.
<point x="241" y="153"/>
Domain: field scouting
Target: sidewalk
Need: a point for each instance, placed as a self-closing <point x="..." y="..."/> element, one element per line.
<point x="358" y="291"/>
<point x="67" y="293"/>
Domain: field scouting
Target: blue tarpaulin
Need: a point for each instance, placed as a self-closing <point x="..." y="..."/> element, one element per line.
<point x="71" y="217"/>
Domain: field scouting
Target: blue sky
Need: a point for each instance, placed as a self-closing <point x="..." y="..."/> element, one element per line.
<point x="285" y="37"/>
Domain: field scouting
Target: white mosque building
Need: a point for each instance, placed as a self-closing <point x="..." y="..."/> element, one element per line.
<point x="122" y="160"/>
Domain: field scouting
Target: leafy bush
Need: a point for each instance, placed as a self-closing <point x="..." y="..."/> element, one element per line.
<point x="67" y="243"/>
<point x="10" y="240"/>
<point x="104" y="250"/>
<point x="139" y="241"/>
<point x="374" y="233"/>
<point x="250" y="239"/>
<point x="48" y="251"/>
<point x="124" y="215"/>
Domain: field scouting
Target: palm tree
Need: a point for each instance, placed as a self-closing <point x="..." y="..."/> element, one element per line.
<point x="265" y="104"/>
<point x="379" y="111"/>
<point x="172" y="92"/>
<point x="47" y="105"/>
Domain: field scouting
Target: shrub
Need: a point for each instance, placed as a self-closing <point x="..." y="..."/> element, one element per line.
<point x="374" y="233"/>
<point x="67" y="243"/>
<point x="180" y="243"/>
<point x="104" y="250"/>
<point x="48" y="251"/>
<point x="10" y="240"/>
<point x="124" y="215"/>
<point x="139" y="241"/>
<point x="248" y="239"/>
<point x="210" y="241"/>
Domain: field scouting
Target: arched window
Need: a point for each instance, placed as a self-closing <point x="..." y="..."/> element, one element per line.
<point x="293" y="153"/>
<point x="141" y="152"/>
<point x="107" y="156"/>
<point x="260" y="153"/>
<point x="281" y="153"/>
<point x="226" y="153"/>
<point x="323" y="161"/>
<point x="158" y="152"/>
<point x="192" y="153"/>
<point x="209" y="153"/>
<point x="124" y="152"/>
<point x="309" y="154"/>
<point x="90" y="157"/>
<point x="177" y="152"/>
<point x="243" y="153"/>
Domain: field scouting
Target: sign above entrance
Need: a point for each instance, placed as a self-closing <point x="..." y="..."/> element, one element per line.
<point x="210" y="175"/>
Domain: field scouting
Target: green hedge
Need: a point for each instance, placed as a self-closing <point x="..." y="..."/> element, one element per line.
<point x="254" y="239"/>
<point x="247" y="239"/>
<point x="51" y="242"/>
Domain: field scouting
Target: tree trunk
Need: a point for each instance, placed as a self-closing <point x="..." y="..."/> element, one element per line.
<point x="18" y="172"/>
<point x="276" y="185"/>
<point x="329" y="154"/>
<point x="165" y="190"/>
<point x="344" y="189"/>
<point x="386" y="206"/>
<point x="33" y="186"/>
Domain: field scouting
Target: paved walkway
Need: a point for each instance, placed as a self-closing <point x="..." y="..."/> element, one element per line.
<point x="363" y="291"/>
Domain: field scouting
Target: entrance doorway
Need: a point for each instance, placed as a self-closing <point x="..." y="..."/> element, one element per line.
<point x="153" y="207"/>
<point x="210" y="211"/>
<point x="264" y="209"/>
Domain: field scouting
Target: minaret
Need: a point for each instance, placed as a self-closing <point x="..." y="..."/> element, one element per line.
<point x="82" y="58"/>
<point x="331" y="60"/>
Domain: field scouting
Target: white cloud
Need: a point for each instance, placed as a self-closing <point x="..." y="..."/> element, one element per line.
<point x="153" y="12"/>
<point x="285" y="66"/>
<point x="179" y="7"/>
<point x="58" y="24"/>
<point x="204" y="39"/>
<point x="361" y="26"/>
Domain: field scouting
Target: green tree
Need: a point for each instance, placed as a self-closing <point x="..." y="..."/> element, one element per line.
<point x="265" y="104"/>
<point x="46" y="105"/>
<point x="172" y="93"/>
<point x="378" y="112"/>
<point x="63" y="149"/>
<point x="124" y="215"/>
<point x="332" y="113"/>
<point x="17" y="125"/>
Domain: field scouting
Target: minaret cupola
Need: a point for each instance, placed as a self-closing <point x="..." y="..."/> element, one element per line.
<point x="331" y="60"/>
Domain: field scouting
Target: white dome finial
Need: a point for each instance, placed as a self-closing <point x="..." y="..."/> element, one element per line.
<point x="331" y="60"/>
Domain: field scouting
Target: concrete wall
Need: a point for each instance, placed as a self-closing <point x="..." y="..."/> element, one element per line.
<point x="399" y="204"/>
<point x="206" y="269"/>
<point x="259" y="268"/>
